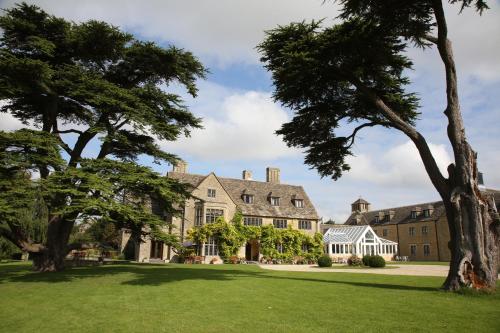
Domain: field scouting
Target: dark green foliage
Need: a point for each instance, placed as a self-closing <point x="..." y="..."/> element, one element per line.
<point x="312" y="70"/>
<point x="77" y="82"/>
<point x="8" y="250"/>
<point x="325" y="261"/>
<point x="366" y="260"/>
<point x="338" y="76"/>
<point x="377" y="261"/>
<point x="354" y="260"/>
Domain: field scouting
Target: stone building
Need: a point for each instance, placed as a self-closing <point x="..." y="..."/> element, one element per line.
<point x="421" y="230"/>
<point x="261" y="203"/>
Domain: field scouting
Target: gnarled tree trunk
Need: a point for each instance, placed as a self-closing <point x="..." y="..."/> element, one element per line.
<point x="474" y="231"/>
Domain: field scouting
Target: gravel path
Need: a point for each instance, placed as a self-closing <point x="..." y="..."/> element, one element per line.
<point x="417" y="270"/>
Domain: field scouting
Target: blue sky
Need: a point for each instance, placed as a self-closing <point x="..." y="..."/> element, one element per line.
<point x="240" y="116"/>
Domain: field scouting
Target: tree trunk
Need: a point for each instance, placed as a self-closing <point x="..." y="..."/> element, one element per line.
<point x="51" y="259"/>
<point x="474" y="229"/>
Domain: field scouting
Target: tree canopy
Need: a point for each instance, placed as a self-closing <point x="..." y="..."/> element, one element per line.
<point x="82" y="84"/>
<point x="355" y="72"/>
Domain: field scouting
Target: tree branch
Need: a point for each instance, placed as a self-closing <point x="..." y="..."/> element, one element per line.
<point x="432" y="39"/>
<point x="68" y="131"/>
<point x="437" y="179"/>
<point x="357" y="129"/>
<point x="456" y="131"/>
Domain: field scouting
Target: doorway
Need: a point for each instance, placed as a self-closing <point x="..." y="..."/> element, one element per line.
<point x="252" y="250"/>
<point x="156" y="250"/>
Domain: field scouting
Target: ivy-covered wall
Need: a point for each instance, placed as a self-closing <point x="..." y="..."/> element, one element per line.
<point x="231" y="236"/>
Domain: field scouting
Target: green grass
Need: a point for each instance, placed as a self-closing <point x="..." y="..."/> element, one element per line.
<point x="233" y="298"/>
<point x="438" y="263"/>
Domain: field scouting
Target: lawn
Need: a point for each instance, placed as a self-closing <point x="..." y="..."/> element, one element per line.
<point x="233" y="298"/>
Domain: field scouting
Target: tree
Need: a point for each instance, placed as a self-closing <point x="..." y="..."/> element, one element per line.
<point x="86" y="85"/>
<point x="354" y="72"/>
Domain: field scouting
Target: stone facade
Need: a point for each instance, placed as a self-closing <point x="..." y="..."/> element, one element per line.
<point x="421" y="230"/>
<point x="260" y="202"/>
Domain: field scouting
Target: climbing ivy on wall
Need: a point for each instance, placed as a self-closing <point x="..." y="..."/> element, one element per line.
<point x="231" y="236"/>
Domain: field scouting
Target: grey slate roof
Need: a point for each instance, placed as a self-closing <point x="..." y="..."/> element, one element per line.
<point x="260" y="190"/>
<point x="403" y="214"/>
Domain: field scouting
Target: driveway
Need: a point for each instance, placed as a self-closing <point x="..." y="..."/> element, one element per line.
<point x="416" y="270"/>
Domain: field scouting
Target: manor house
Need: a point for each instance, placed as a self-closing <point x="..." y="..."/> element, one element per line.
<point x="421" y="230"/>
<point x="261" y="203"/>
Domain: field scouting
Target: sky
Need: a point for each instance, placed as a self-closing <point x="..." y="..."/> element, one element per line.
<point x="240" y="117"/>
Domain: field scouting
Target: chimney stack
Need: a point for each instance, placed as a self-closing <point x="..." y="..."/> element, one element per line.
<point x="180" y="166"/>
<point x="247" y="175"/>
<point x="273" y="175"/>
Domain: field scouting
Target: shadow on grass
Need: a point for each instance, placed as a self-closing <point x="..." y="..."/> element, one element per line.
<point x="159" y="274"/>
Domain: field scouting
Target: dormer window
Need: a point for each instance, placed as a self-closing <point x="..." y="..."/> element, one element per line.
<point x="413" y="214"/>
<point x="377" y="219"/>
<point x="275" y="201"/>
<point x="427" y="213"/>
<point x="299" y="203"/>
<point x="247" y="198"/>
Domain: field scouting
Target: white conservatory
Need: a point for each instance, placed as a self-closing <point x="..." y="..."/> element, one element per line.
<point x="342" y="241"/>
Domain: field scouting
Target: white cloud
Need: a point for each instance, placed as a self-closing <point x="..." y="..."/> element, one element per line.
<point x="225" y="31"/>
<point x="9" y="122"/>
<point x="237" y="126"/>
<point x="399" y="166"/>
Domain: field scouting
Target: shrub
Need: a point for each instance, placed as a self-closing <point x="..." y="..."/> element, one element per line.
<point x="354" y="260"/>
<point x="377" y="261"/>
<point x="366" y="260"/>
<point x="325" y="261"/>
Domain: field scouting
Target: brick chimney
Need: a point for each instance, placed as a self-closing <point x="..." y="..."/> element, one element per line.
<point x="180" y="166"/>
<point x="273" y="175"/>
<point x="247" y="175"/>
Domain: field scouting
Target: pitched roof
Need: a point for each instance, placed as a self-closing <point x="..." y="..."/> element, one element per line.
<point x="261" y="191"/>
<point x="403" y="214"/>
<point x="349" y="234"/>
<point x="361" y="200"/>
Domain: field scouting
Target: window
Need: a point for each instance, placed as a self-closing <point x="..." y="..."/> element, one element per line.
<point x="279" y="248"/>
<point x="255" y="221"/>
<point x="275" y="201"/>
<point x="198" y="218"/>
<point x="248" y="198"/>
<point x="413" y="250"/>
<point x="306" y="225"/>
<point x="211" y="193"/>
<point x="427" y="250"/>
<point x="280" y="224"/>
<point x="305" y="248"/>
<point x="411" y="231"/>
<point x="299" y="203"/>
<point x="369" y="237"/>
<point x="211" y="248"/>
<point x="427" y="213"/>
<point x="384" y="232"/>
<point x="212" y="215"/>
<point x="377" y="220"/>
<point x="425" y="230"/>
<point x="413" y="214"/>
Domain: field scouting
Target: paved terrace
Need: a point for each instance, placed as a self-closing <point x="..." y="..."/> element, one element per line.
<point x="416" y="270"/>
